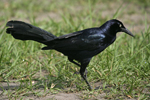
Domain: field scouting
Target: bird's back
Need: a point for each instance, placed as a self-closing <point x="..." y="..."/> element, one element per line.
<point x="82" y="44"/>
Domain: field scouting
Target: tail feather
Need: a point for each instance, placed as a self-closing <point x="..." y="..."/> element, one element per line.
<point x="24" y="31"/>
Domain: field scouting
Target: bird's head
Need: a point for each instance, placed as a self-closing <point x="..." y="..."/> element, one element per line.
<point x="115" y="26"/>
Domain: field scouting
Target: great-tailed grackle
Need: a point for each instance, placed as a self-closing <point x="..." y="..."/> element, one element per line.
<point x="80" y="46"/>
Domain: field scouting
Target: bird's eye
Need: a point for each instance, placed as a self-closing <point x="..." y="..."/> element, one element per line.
<point x="120" y="25"/>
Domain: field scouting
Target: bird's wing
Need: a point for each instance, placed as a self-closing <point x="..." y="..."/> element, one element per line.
<point x="88" y="39"/>
<point x="70" y="35"/>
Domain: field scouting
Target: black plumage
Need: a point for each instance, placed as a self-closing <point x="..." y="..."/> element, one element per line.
<point x="80" y="46"/>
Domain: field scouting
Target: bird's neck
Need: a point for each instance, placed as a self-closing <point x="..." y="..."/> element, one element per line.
<point x="107" y="31"/>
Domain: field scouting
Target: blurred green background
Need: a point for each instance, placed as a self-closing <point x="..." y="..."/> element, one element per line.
<point x="122" y="71"/>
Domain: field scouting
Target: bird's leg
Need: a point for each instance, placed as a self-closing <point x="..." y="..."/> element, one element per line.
<point x="71" y="60"/>
<point x="82" y="71"/>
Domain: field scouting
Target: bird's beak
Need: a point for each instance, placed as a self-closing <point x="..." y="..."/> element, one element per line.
<point x="127" y="31"/>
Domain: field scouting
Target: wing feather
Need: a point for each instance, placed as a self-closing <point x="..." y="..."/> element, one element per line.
<point x="79" y="41"/>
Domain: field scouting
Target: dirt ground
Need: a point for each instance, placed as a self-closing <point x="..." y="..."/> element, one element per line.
<point x="54" y="96"/>
<point x="138" y="19"/>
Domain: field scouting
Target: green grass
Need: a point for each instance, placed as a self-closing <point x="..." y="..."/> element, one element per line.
<point x="122" y="70"/>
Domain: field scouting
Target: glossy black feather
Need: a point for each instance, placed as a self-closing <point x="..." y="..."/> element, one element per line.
<point x="24" y="31"/>
<point x="80" y="46"/>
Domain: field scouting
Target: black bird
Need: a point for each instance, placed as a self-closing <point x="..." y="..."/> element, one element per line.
<point x="80" y="46"/>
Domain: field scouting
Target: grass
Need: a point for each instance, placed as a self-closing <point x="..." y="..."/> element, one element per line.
<point x="122" y="70"/>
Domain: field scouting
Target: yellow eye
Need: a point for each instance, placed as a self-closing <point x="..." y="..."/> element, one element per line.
<point x="120" y="25"/>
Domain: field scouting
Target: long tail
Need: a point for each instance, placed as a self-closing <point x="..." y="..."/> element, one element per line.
<point x="24" y="31"/>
